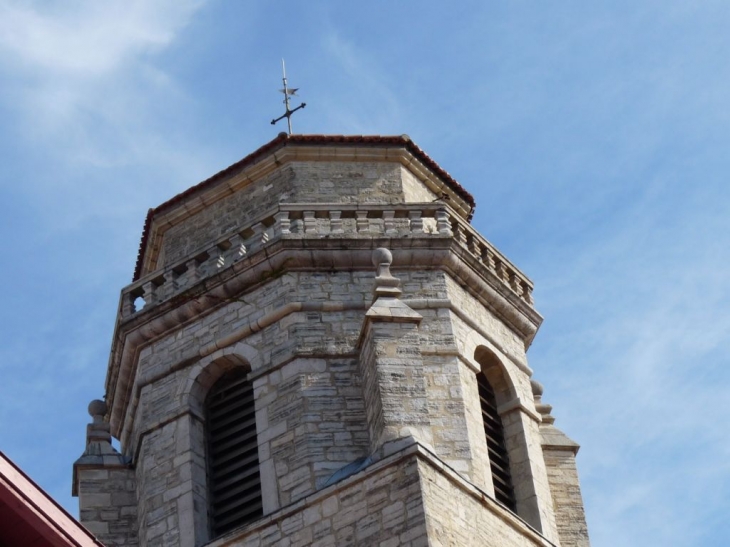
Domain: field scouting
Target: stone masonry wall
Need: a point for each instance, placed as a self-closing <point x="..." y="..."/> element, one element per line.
<point x="301" y="334"/>
<point x="348" y="182"/>
<point x="567" y="499"/>
<point x="108" y="504"/>
<point x="408" y="499"/>
<point x="520" y="419"/>
<point x="382" y="506"/>
<point x="310" y="413"/>
<point x="459" y="515"/>
<point x="226" y="214"/>
<point x="395" y="387"/>
<point x="309" y="398"/>
<point x="415" y="191"/>
<point x="311" y="419"/>
<point x="300" y="182"/>
<point x="529" y="475"/>
<point x="171" y="490"/>
<point x="505" y="339"/>
<point x="455" y="440"/>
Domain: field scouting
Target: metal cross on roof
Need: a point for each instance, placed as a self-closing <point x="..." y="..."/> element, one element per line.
<point x="287" y="93"/>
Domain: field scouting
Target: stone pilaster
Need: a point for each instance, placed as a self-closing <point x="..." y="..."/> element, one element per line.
<point x="529" y="473"/>
<point x="391" y="365"/>
<point x="105" y="485"/>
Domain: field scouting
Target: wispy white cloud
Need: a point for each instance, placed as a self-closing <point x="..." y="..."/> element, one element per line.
<point x="645" y="310"/>
<point x="92" y="105"/>
<point x="89" y="38"/>
<point x="84" y="72"/>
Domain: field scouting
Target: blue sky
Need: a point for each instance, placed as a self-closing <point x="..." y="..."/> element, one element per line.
<point x="595" y="137"/>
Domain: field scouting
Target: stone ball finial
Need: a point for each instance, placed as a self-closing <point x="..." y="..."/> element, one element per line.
<point x="385" y="284"/>
<point x="97" y="408"/>
<point x="381" y="255"/>
<point x="537" y="388"/>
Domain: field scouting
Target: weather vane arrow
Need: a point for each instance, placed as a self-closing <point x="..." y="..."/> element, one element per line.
<point x="287" y="93"/>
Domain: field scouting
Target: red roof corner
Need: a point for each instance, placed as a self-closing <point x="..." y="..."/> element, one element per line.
<point x="29" y="516"/>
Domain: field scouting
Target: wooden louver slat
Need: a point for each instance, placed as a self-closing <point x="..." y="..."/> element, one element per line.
<point x="234" y="482"/>
<point x="494" y="432"/>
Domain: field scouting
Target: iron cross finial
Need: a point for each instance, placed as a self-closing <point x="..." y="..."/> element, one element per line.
<point x="287" y="93"/>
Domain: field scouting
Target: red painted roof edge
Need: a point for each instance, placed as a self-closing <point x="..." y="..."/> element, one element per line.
<point x="282" y="140"/>
<point x="78" y="526"/>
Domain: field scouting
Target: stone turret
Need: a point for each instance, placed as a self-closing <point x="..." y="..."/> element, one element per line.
<point x="104" y="482"/>
<point x="559" y="452"/>
<point x="318" y="348"/>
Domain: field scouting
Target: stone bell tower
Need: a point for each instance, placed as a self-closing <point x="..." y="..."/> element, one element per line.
<point x="319" y="349"/>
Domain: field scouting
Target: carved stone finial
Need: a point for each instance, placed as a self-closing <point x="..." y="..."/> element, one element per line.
<point x="382" y="256"/>
<point x="97" y="410"/>
<point x="385" y="283"/>
<point x="98" y="430"/>
<point x="99" y="452"/>
<point x="386" y="305"/>
<point x="552" y="437"/>
<point x="543" y="409"/>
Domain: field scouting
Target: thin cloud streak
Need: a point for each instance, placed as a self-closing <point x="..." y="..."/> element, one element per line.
<point x="88" y="67"/>
<point x="89" y="39"/>
<point x="645" y="360"/>
<point x="87" y="92"/>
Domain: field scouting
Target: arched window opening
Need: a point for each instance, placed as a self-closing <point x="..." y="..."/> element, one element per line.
<point x="498" y="457"/>
<point x="234" y="482"/>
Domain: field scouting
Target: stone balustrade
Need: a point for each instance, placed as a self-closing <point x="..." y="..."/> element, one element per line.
<point x="310" y="220"/>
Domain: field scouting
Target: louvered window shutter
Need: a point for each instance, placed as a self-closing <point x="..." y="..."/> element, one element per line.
<point x="234" y="482"/>
<point x="498" y="457"/>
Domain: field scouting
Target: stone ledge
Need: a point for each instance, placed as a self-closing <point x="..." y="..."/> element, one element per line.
<point x="413" y="450"/>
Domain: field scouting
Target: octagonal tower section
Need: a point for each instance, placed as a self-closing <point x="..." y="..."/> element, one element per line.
<point x="317" y="345"/>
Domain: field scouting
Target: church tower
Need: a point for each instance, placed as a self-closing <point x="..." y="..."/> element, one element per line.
<point x="319" y="349"/>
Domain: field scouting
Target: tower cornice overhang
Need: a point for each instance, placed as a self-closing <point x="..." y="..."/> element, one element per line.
<point x="428" y="252"/>
<point x="290" y="148"/>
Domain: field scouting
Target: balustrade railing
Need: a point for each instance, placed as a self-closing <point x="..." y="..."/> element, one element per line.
<point x="321" y="220"/>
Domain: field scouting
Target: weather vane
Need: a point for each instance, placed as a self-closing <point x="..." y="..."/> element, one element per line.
<point x="287" y="93"/>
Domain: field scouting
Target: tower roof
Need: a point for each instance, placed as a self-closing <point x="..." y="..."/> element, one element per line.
<point x="402" y="142"/>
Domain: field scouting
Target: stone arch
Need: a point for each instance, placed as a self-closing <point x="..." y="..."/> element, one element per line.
<point x="201" y="377"/>
<point x="209" y="369"/>
<point x="495" y="390"/>
<point x="497" y="373"/>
